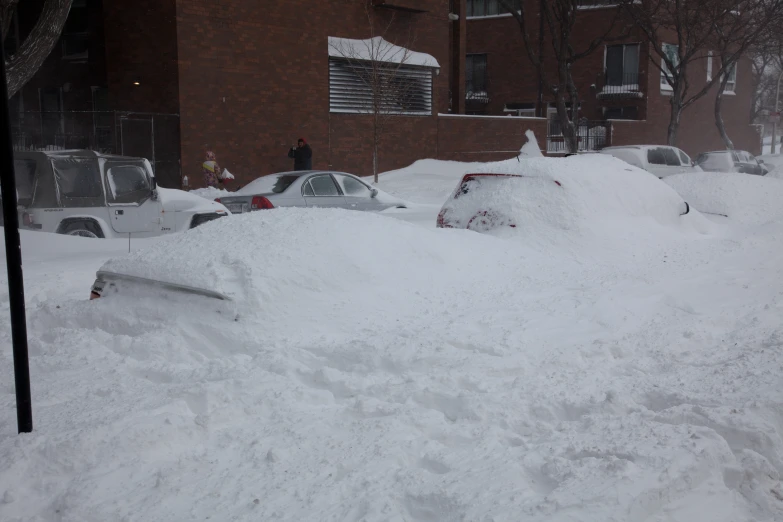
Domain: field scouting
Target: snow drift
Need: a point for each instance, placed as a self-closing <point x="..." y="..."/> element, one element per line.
<point x="595" y="195"/>
<point x="743" y="198"/>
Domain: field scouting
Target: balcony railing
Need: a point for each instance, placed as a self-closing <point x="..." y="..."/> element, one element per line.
<point x="477" y="97"/>
<point x="621" y="86"/>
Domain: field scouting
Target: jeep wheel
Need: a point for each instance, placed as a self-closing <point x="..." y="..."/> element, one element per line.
<point x="82" y="229"/>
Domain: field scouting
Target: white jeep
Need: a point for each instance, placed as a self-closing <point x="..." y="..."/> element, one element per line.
<point x="84" y="193"/>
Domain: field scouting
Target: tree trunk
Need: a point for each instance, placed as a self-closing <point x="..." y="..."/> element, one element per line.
<point x="674" y="116"/>
<point x="36" y="48"/>
<point x="375" y="137"/>
<point x="719" y="117"/>
<point x="718" y="108"/>
<point x="566" y="125"/>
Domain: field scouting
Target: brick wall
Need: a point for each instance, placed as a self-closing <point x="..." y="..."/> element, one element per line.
<point x="480" y="138"/>
<point x="253" y="77"/>
<point x="141" y="46"/>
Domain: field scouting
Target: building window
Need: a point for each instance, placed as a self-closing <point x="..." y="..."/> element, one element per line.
<point x="527" y="110"/>
<point x="672" y="51"/>
<point x="398" y="89"/>
<point x="621" y="113"/>
<point x="76" y="33"/>
<point x="709" y="66"/>
<point x="477" y="8"/>
<point x="731" y="85"/>
<point x="476" y="77"/>
<point x="622" y="65"/>
<point x="52" y="123"/>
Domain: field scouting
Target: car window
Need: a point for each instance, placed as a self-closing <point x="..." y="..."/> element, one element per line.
<point x="715" y="162"/>
<point x="127" y="183"/>
<point x="78" y="182"/>
<point x="672" y="159"/>
<point x="735" y="157"/>
<point x="353" y="187"/>
<point x="24" y="171"/>
<point x="324" y="186"/>
<point x="656" y="156"/>
<point x="684" y="157"/>
<point x="307" y="190"/>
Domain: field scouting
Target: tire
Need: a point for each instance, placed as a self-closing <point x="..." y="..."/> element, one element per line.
<point x="82" y="229"/>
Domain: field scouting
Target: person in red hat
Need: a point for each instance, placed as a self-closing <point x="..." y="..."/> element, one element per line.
<point x="302" y="155"/>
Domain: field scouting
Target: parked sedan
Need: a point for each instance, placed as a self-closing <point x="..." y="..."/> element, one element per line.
<point x="731" y="161"/>
<point x="307" y="189"/>
<point x="661" y="160"/>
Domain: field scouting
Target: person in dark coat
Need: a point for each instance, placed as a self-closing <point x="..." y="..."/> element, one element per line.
<point x="302" y="155"/>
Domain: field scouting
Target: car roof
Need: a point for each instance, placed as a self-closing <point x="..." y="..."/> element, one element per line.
<point x="79" y="153"/>
<point x="636" y="147"/>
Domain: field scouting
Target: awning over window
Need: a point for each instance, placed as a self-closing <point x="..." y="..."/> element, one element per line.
<point x="412" y="6"/>
<point x="378" y="49"/>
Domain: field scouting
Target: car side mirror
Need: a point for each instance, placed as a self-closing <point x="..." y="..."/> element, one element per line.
<point x="761" y="162"/>
<point x="374" y="193"/>
<point x="154" y="183"/>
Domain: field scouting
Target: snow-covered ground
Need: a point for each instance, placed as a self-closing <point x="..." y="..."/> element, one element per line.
<point x="381" y="370"/>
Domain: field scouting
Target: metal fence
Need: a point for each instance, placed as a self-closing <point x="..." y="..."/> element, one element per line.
<point x="591" y="136"/>
<point x="148" y="135"/>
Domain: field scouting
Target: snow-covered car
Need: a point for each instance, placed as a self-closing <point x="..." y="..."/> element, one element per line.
<point x="564" y="193"/>
<point x="306" y="189"/>
<point x="731" y="161"/>
<point x="88" y="194"/>
<point x="661" y="160"/>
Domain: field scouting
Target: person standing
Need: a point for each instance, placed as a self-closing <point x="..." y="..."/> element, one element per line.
<point x="302" y="155"/>
<point x="211" y="170"/>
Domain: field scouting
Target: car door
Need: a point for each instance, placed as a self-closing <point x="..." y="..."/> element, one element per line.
<point x="133" y="209"/>
<point x="687" y="164"/>
<point x="358" y="195"/>
<point x="753" y="165"/>
<point x="656" y="161"/>
<point x="321" y="190"/>
<point x="673" y="161"/>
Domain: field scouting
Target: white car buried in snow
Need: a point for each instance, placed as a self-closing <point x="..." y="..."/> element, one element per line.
<point x="84" y="193"/>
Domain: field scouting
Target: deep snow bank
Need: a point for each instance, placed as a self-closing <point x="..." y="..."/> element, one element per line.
<point x="288" y="258"/>
<point x="740" y="197"/>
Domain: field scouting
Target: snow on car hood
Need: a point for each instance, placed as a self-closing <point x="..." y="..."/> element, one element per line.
<point x="180" y="201"/>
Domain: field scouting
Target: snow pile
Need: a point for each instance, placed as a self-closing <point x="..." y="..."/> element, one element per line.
<point x="597" y="195"/>
<point x="774" y="162"/>
<point x="211" y="193"/>
<point x="265" y="261"/>
<point x="742" y="198"/>
<point x="381" y="371"/>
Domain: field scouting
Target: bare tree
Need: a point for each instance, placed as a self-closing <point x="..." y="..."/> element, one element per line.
<point x="381" y="78"/>
<point x="558" y="18"/>
<point x="681" y="34"/>
<point x="23" y="65"/>
<point x="735" y="35"/>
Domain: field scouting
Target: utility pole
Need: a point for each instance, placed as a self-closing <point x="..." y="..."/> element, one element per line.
<point x="777" y="115"/>
<point x="13" y="259"/>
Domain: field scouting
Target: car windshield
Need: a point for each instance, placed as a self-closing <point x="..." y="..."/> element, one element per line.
<point x="715" y="161"/>
<point x="272" y="184"/>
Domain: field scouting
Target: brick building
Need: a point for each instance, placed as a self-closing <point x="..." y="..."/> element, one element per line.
<point x="618" y="82"/>
<point x="166" y="79"/>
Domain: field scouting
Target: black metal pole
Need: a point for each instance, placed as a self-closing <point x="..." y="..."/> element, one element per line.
<point x="13" y="259"/>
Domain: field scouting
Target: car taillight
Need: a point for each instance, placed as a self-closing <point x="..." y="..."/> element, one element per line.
<point x="27" y="220"/>
<point x="94" y="295"/>
<point x="217" y="200"/>
<point x="260" y="202"/>
<point x="442" y="219"/>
